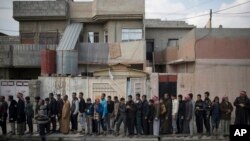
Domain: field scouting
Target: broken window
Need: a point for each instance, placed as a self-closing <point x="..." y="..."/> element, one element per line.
<point x="172" y="42"/>
<point x="93" y="37"/>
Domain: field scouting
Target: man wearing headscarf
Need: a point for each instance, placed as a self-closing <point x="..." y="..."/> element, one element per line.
<point x="226" y="111"/>
<point x="167" y="127"/>
<point x="241" y="111"/>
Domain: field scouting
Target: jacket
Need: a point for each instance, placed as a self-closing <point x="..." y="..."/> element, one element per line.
<point x="75" y="107"/>
<point x="188" y="110"/>
<point x="199" y="108"/>
<point x="181" y="109"/>
<point x="138" y="105"/>
<point x="59" y="106"/>
<point x="29" y="110"/>
<point x="53" y="107"/>
<point x="20" y="111"/>
<point x="104" y="107"/>
<point x="225" y="107"/>
<point x="145" y="108"/>
<point x="89" y="109"/>
<point x="132" y="110"/>
<point x="13" y="111"/>
<point x="151" y="112"/>
<point x="215" y="111"/>
<point x="42" y="116"/>
<point x="82" y="105"/>
<point x="110" y="107"/>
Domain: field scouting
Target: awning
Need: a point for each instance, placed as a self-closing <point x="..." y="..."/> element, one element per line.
<point x="70" y="36"/>
<point x="181" y="61"/>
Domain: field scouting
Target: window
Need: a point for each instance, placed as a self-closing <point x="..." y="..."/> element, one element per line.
<point x="106" y="36"/>
<point x="27" y="38"/>
<point x="172" y="42"/>
<point x="131" y="34"/>
<point x="93" y="37"/>
<point x="149" y="50"/>
<point x="48" y="38"/>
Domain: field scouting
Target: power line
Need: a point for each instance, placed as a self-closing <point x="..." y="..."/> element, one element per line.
<point x="213" y="12"/>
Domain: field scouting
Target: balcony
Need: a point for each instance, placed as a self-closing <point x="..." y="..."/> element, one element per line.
<point x="112" y="53"/>
<point x="22" y="55"/>
<point x="40" y="10"/>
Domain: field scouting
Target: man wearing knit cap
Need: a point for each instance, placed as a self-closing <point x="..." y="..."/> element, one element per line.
<point x="241" y="112"/>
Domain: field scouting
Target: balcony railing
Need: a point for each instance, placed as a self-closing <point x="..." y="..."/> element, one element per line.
<point x="133" y="52"/>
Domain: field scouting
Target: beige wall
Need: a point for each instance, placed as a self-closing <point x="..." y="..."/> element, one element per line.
<point x="87" y="10"/>
<point x="106" y="7"/>
<point x="131" y="53"/>
<point x="161" y="36"/>
<point x="187" y="47"/>
<point x="79" y="10"/>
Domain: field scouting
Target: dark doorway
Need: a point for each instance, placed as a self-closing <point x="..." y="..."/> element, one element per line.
<point x="167" y="84"/>
<point x="149" y="50"/>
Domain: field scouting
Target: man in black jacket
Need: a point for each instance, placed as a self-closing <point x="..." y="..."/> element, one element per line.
<point x="138" y="114"/>
<point x="199" y="109"/>
<point x="131" y="111"/>
<point x="20" y="114"/>
<point x="59" y="107"/>
<point x="110" y="107"/>
<point x="82" y="109"/>
<point x="12" y="114"/>
<point x="52" y="111"/>
<point x="207" y="112"/>
<point x="3" y="114"/>
<point x="180" y="115"/>
<point x="145" y="111"/>
<point x="151" y="116"/>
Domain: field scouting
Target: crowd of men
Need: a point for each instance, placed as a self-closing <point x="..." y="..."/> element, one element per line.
<point x="167" y="115"/>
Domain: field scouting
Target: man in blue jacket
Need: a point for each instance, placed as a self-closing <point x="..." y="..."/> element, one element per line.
<point x="104" y="113"/>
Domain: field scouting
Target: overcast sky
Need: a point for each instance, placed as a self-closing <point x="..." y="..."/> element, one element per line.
<point x="237" y="17"/>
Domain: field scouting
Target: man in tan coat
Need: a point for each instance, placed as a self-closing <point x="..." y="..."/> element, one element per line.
<point x="65" y="116"/>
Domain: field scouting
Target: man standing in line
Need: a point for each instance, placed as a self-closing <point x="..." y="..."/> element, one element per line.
<point x="110" y="106"/>
<point x="12" y="114"/>
<point x="181" y="113"/>
<point x="74" y="113"/>
<point x="145" y="111"/>
<point x="37" y="108"/>
<point x="207" y="112"/>
<point x="20" y="114"/>
<point x="2" y="115"/>
<point x="53" y="111"/>
<point x="241" y="111"/>
<point x="199" y="105"/>
<point x="167" y="128"/>
<point x="104" y="114"/>
<point x="82" y="107"/>
<point x="138" y="114"/>
<point x="59" y="107"/>
<point x="130" y="113"/>
<point x="121" y="117"/>
<point x="116" y="110"/>
<point x="29" y="114"/>
<point x="65" y="116"/>
<point x="175" y="107"/>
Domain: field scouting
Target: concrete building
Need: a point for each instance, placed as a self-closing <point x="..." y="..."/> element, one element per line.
<point x="214" y="60"/>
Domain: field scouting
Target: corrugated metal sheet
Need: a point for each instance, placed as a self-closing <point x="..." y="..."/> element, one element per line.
<point x="67" y="62"/>
<point x="70" y="36"/>
<point x="93" y="53"/>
